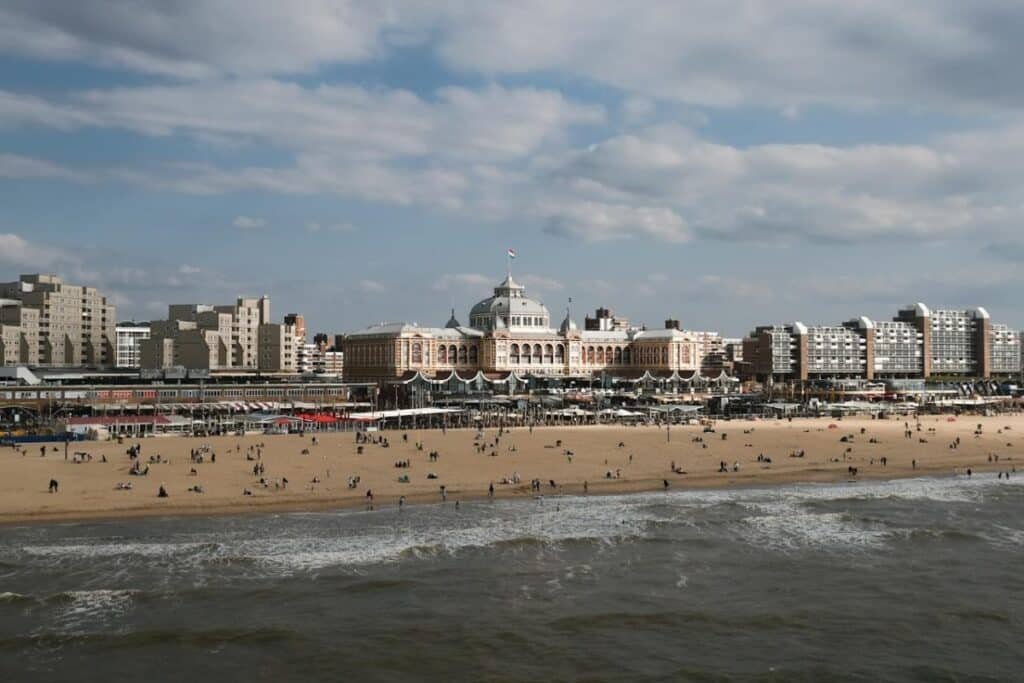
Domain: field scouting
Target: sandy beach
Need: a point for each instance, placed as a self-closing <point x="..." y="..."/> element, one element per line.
<point x="610" y="459"/>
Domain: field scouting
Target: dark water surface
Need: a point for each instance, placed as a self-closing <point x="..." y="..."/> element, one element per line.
<point x="910" y="580"/>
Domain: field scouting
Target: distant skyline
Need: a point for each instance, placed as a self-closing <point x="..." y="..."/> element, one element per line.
<point x="724" y="163"/>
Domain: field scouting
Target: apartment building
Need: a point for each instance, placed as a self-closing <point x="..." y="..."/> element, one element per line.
<point x="128" y="348"/>
<point x="917" y="343"/>
<point x="19" y="334"/>
<point x="73" y="326"/>
<point x="208" y="337"/>
<point x="187" y="344"/>
<point x="278" y="348"/>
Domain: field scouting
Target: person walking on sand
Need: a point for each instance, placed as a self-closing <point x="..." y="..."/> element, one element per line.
<point x="490" y="490"/>
<point x="401" y="502"/>
<point x="53" y="486"/>
<point x="664" y="483"/>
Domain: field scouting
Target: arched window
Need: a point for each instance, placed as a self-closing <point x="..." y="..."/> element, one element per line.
<point x="472" y="355"/>
<point x="417" y="353"/>
<point x="600" y="355"/>
<point x="608" y="355"/>
<point x="664" y="356"/>
<point x="618" y="355"/>
<point x="442" y="354"/>
<point x="549" y="353"/>
<point x="559" y="353"/>
<point x="590" y="354"/>
<point x="462" y="355"/>
<point x="627" y="356"/>
<point x="537" y="353"/>
<point x="513" y="354"/>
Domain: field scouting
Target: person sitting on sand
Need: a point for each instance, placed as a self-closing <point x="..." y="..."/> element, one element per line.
<point x="162" y="493"/>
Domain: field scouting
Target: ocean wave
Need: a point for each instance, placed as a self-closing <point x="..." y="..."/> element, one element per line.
<point x="128" y="547"/>
<point x="784" y="518"/>
<point x="199" y="638"/>
<point x="8" y="597"/>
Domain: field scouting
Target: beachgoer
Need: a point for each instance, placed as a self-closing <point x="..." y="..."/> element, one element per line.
<point x="53" y="486"/>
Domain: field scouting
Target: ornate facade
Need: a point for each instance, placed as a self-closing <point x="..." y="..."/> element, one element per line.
<point x="510" y="332"/>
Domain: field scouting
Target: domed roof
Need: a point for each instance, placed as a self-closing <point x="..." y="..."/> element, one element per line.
<point x="452" y="321"/>
<point x="509" y="298"/>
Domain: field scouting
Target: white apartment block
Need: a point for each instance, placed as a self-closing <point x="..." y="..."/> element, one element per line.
<point x="128" y="350"/>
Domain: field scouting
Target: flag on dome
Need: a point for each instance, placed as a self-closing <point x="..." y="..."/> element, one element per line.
<point x="511" y="253"/>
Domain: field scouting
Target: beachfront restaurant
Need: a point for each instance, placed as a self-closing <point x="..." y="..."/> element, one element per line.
<point x="101" y="426"/>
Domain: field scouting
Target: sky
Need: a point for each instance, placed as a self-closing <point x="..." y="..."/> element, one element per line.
<point x="727" y="163"/>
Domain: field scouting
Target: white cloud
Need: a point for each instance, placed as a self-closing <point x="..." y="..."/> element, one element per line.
<point x="371" y="286"/>
<point x="15" y="166"/>
<point x="15" y="250"/>
<point x="343" y="227"/>
<point x="730" y="53"/>
<point x="197" y="39"/>
<point x="784" y="55"/>
<point x="540" y="284"/>
<point x="600" y="222"/>
<point x="248" y="222"/>
<point x="463" y="281"/>
<point x="186" y="269"/>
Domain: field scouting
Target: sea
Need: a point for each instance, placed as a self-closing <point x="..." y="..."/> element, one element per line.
<point x="909" y="580"/>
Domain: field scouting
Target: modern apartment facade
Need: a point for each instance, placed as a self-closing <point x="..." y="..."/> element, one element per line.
<point x="278" y="348"/>
<point x="206" y="337"/>
<point x="128" y="349"/>
<point x="917" y="343"/>
<point x="59" y="324"/>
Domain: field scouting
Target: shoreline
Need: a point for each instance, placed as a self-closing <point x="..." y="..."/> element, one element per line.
<point x="343" y="503"/>
<point x="568" y="455"/>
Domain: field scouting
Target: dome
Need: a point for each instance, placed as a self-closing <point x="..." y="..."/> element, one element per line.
<point x="568" y="325"/>
<point x="452" y="321"/>
<point x="509" y="305"/>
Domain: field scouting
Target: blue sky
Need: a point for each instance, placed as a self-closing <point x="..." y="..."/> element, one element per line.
<point x="725" y="163"/>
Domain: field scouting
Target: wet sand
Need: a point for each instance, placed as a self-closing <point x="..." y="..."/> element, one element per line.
<point x="88" y="490"/>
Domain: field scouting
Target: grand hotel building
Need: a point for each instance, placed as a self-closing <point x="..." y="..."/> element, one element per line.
<point x="509" y="332"/>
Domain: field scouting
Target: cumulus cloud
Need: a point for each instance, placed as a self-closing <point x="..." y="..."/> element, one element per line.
<point x="342" y="227"/>
<point x="248" y="222"/>
<point x="789" y="54"/>
<point x="724" y="54"/>
<point x="16" y="166"/>
<point x="463" y="281"/>
<point x="600" y="222"/>
<point x="16" y="251"/>
<point x="372" y="287"/>
<point x="196" y="39"/>
<point x="540" y="284"/>
<point x="502" y="152"/>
